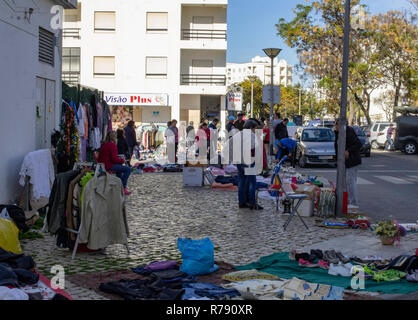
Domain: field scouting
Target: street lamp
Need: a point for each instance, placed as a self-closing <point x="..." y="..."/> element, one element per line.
<point x="271" y="53"/>
<point x="300" y="98"/>
<point x="343" y="113"/>
<point x="252" y="79"/>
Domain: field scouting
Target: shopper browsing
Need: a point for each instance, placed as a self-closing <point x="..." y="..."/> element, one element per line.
<point x="109" y="156"/>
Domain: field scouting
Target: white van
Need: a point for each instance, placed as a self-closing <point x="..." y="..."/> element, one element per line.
<point x="378" y="132"/>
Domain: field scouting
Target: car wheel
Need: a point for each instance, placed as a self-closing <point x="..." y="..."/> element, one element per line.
<point x="302" y="161"/>
<point x="410" y="148"/>
<point x="375" y="145"/>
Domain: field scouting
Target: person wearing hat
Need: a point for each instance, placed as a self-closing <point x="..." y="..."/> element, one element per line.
<point x="247" y="183"/>
<point x="230" y="125"/>
<point x="239" y="124"/>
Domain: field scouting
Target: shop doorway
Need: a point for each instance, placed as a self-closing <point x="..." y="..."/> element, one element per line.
<point x="210" y="107"/>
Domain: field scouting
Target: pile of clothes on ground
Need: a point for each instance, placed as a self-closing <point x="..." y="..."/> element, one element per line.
<point x="19" y="280"/>
<point x="397" y="275"/>
<point x="374" y="267"/>
<point x="226" y="178"/>
<point x="140" y="168"/>
<point x="164" y="281"/>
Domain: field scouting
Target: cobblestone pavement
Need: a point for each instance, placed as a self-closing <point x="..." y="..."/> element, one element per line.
<point x="160" y="211"/>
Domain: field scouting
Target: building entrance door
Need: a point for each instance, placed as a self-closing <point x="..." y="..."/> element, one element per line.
<point x="45" y="112"/>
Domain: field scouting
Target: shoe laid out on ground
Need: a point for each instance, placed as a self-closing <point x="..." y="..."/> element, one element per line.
<point x="323" y="264"/>
<point x="293" y="253"/>
<point x="342" y="257"/>
<point x="318" y="253"/>
<point x="340" y="269"/>
<point x="372" y="259"/>
<point x="307" y="264"/>
<point x="331" y="256"/>
<point x="357" y="260"/>
<point x="243" y="206"/>
<point x="126" y="192"/>
<point x="303" y="255"/>
<point x="413" y="276"/>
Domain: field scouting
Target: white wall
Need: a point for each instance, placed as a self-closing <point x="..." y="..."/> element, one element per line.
<point x="19" y="67"/>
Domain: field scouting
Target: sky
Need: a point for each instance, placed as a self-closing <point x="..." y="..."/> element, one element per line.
<point x="251" y="26"/>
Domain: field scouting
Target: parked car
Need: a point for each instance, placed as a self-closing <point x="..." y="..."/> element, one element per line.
<point x="406" y="138"/>
<point x="366" y="130"/>
<point x="315" y="146"/>
<point x="366" y="147"/>
<point x="378" y="132"/>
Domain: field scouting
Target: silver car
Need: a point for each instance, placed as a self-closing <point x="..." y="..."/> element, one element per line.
<point x="315" y="146"/>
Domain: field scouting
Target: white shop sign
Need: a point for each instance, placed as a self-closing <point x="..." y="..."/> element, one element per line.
<point x="234" y="101"/>
<point x="136" y="99"/>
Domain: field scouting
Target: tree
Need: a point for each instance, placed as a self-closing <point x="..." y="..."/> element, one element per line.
<point x="319" y="47"/>
<point x="258" y="107"/>
<point x="396" y="42"/>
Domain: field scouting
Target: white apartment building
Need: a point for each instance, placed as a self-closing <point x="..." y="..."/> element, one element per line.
<point x="30" y="78"/>
<point x="260" y="67"/>
<point x="161" y="60"/>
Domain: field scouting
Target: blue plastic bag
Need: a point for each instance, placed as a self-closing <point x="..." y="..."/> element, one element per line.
<point x="198" y="256"/>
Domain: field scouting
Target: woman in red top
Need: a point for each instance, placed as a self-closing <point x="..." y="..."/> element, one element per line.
<point x="109" y="156"/>
<point x="266" y="133"/>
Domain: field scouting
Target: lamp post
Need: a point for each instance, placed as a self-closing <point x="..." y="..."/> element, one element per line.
<point x="343" y="113"/>
<point x="252" y="79"/>
<point x="272" y="53"/>
<point x="300" y="98"/>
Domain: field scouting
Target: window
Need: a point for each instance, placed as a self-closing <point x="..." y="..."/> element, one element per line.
<point x="383" y="127"/>
<point x="46" y="46"/>
<point x="104" y="21"/>
<point x="71" y="65"/>
<point x="104" y="66"/>
<point x="156" y="67"/>
<point x="374" y="128"/>
<point x="157" y="21"/>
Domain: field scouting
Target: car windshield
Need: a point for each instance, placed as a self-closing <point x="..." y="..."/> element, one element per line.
<point x="318" y="135"/>
<point x="358" y="131"/>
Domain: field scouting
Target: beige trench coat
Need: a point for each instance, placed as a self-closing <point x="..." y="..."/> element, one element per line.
<point x="103" y="215"/>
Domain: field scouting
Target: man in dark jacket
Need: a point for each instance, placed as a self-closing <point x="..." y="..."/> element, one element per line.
<point x="280" y="131"/>
<point x="239" y="124"/>
<point x="352" y="160"/>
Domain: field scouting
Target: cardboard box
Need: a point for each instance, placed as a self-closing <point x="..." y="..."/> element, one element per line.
<point x="192" y="176"/>
<point x="308" y="189"/>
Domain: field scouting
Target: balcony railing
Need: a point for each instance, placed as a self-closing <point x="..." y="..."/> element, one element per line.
<point x="71" y="77"/>
<point x="203" y="79"/>
<point x="188" y="34"/>
<point x="71" y="33"/>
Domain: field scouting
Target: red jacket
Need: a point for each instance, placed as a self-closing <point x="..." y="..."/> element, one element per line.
<point x="109" y="155"/>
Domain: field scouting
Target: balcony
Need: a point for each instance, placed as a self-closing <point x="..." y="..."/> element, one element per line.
<point x="71" y="33"/>
<point x="203" y="79"/>
<point x="191" y="34"/>
<point x="203" y="27"/>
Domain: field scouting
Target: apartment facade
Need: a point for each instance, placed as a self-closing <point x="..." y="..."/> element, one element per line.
<point x="158" y="60"/>
<point x="260" y="67"/>
<point x="30" y="77"/>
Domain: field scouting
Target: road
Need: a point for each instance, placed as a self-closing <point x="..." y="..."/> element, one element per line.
<point x="387" y="184"/>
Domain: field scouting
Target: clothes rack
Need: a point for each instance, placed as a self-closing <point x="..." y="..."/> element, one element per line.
<point x="100" y="168"/>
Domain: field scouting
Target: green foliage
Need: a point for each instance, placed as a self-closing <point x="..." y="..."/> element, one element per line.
<point x="387" y="228"/>
<point x="383" y="50"/>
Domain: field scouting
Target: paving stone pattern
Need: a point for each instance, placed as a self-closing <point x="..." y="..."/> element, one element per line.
<point x="160" y="210"/>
